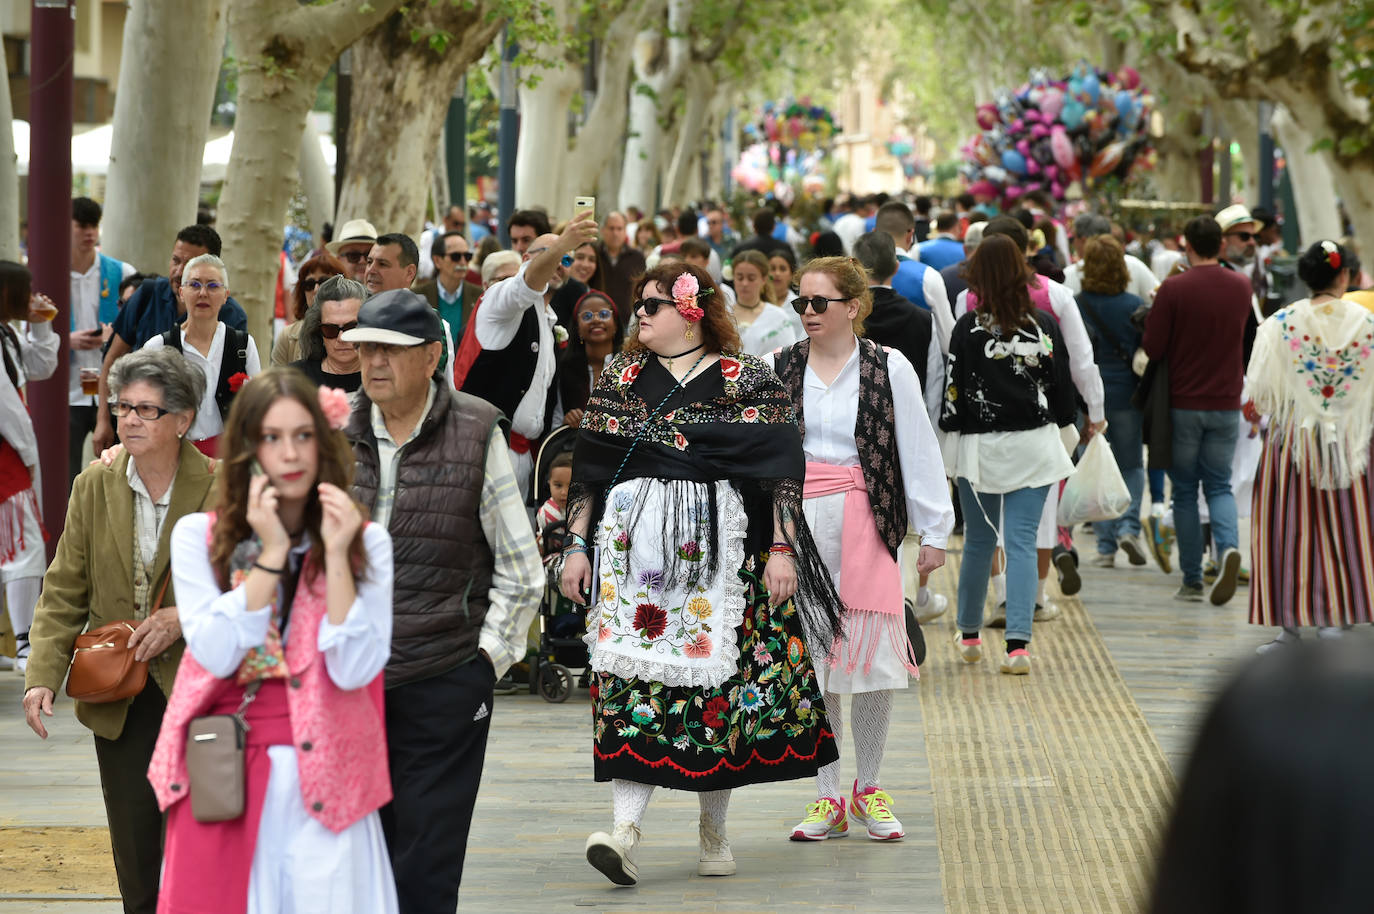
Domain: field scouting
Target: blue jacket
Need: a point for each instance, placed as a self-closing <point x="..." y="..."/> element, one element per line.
<point x="909" y="281"/>
<point x="939" y="253"/>
<point x="153" y="311"/>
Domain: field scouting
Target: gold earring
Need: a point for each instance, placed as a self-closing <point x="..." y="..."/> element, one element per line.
<point x="691" y="333"/>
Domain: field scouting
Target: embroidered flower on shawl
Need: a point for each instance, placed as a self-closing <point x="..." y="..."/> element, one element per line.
<point x="685" y="291"/>
<point x="749" y="414"/>
<point x="698" y="646"/>
<point x="612" y="424"/>
<point x="730" y="368"/>
<point x="716" y="709"/>
<point x="630" y="372"/>
<point x="679" y="441"/>
<point x="651" y="580"/>
<point x="621" y="542"/>
<point x="623" y="501"/>
<point x="237" y="380"/>
<point x="335" y="406"/>
<point x="650" y="620"/>
<point x="689" y="551"/>
<point x="753" y="697"/>
<point x="643" y="714"/>
<point x="699" y="607"/>
<point x="762" y="654"/>
<point x="607" y="592"/>
<point x="794" y="651"/>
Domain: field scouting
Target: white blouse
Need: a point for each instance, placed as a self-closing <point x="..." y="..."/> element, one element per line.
<point x="219" y="630"/>
<point x="830" y="416"/>
<point x="770" y="330"/>
<point x="208" y="422"/>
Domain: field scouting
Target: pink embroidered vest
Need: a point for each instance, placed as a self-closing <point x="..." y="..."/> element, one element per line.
<point x="340" y="735"/>
<point x="1039" y="295"/>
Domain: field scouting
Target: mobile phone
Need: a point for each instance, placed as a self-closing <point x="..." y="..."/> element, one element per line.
<point x="256" y="469"/>
<point x="580" y="204"/>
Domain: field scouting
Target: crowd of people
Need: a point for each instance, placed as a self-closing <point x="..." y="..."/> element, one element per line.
<point x="338" y="551"/>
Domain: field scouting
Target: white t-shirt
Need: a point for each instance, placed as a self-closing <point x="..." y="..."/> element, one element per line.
<point x="772" y="329"/>
<point x="208" y="422"/>
<point x="1142" y="285"/>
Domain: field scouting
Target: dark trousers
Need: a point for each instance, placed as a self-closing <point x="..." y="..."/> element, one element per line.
<point x="130" y="805"/>
<point x="80" y="423"/>
<point x="436" y="732"/>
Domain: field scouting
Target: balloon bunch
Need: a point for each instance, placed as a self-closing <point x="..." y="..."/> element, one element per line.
<point x="785" y="146"/>
<point x="1087" y="127"/>
<point x="903" y="148"/>
<point x="796" y="123"/>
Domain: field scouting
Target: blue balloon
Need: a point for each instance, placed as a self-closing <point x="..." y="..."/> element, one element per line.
<point x="1072" y="113"/>
<point x="1014" y="162"/>
<point x="1092" y="87"/>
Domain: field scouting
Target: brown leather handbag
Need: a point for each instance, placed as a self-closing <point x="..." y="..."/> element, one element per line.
<point x="103" y="665"/>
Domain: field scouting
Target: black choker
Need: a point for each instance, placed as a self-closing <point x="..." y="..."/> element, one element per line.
<point x="685" y="352"/>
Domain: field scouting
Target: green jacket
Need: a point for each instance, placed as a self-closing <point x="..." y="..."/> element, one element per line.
<point x="91" y="579"/>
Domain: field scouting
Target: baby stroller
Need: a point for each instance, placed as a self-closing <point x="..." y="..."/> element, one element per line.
<point x="561" y="621"/>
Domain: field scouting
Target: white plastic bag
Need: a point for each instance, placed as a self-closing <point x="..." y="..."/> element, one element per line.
<point x="1096" y="490"/>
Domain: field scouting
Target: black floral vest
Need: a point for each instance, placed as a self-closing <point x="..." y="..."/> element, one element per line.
<point x="875" y="432"/>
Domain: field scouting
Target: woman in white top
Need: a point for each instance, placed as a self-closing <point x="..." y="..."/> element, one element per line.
<point x="203" y="339"/>
<point x="763" y="326"/>
<point x="782" y="272"/>
<point x="872" y="472"/>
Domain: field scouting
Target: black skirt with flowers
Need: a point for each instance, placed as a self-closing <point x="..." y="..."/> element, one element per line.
<point x="765" y="723"/>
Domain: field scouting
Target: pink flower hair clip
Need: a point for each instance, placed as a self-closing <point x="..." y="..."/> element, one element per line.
<point x="335" y="406"/>
<point x="686" y="291"/>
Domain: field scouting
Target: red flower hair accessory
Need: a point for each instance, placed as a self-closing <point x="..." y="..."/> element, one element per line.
<point x="686" y="290"/>
<point x="1333" y="254"/>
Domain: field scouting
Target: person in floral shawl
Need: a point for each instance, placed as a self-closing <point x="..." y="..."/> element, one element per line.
<point x="688" y="542"/>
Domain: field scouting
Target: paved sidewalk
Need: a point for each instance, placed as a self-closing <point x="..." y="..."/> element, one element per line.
<point x="538" y="801"/>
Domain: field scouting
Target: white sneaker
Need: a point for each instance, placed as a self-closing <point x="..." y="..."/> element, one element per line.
<point x="1134" y="549"/>
<point x="1047" y="612"/>
<point x="871" y="808"/>
<point x="1285" y="637"/>
<point x="1104" y="560"/>
<point x="933" y="608"/>
<point x="825" y="818"/>
<point x="970" y="649"/>
<point x="715" y="858"/>
<point x="614" y="854"/>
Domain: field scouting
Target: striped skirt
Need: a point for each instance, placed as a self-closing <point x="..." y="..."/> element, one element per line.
<point x="1312" y="549"/>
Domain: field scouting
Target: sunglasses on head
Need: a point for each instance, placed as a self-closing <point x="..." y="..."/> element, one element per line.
<point x="314" y="282"/>
<point x="603" y="315"/>
<point x="1243" y="236"/>
<point x="650" y="306"/>
<point x="459" y="256"/>
<point x="332" y="331"/>
<point x="818" y="303"/>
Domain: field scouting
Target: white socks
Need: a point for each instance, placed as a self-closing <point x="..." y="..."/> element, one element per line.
<point x="923" y="596"/>
<point x="714" y="805"/>
<point x="630" y="799"/>
<point x="872" y="715"/>
<point x="999" y="588"/>
<point x="1040" y="592"/>
<point x="21" y="594"/>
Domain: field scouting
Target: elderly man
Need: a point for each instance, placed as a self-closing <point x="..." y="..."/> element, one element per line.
<point x="617" y="265"/>
<point x="434" y="469"/>
<point x="518" y="357"/>
<point x="1089" y="225"/>
<point x="156" y="308"/>
<point x="449" y="292"/>
<point x="354" y="242"/>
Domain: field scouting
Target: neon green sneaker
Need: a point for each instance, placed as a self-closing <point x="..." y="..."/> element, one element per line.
<point x="825" y="818"/>
<point x="872" y="808"/>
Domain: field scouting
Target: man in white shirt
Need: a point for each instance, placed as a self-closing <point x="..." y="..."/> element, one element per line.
<point x="94" y="304"/>
<point x="1089" y="225"/>
<point x="515" y="327"/>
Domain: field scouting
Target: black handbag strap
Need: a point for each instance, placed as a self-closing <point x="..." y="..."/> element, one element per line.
<point x="1088" y="309"/>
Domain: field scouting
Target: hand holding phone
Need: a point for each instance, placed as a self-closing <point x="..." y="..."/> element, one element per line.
<point x="581" y="204"/>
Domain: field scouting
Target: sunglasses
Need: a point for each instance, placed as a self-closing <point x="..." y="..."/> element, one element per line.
<point x="650" y="306"/>
<point x="603" y="315"/>
<point x="1243" y="236"/>
<point x="354" y="256"/>
<point x="332" y="331"/>
<point x="314" y="282"/>
<point x="459" y="256"/>
<point x="818" y="303"/>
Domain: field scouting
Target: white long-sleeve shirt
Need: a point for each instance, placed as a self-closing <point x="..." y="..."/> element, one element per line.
<point x="1142" y="285"/>
<point x="497" y="322"/>
<point x="937" y="299"/>
<point x="209" y="422"/>
<point x="1082" y="363"/>
<point x="830" y="416"/>
<point x="219" y="630"/>
<point x="35" y="360"/>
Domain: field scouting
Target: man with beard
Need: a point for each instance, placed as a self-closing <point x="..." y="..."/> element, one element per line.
<point x="515" y="365"/>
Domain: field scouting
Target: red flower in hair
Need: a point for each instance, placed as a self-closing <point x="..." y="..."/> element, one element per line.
<point x="237" y="380"/>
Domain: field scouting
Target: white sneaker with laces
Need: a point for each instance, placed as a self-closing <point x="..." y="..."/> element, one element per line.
<point x="825" y="818"/>
<point x="933" y="608"/>
<point x="1134" y="549"/>
<point x="1050" y="610"/>
<point x="872" y="808"/>
<point x="1104" y="560"/>
<point x="715" y="858"/>
<point x="614" y="854"/>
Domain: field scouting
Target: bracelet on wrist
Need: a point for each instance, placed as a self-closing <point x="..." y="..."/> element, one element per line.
<point x="570" y="550"/>
<point x="576" y="538"/>
<point x="261" y="567"/>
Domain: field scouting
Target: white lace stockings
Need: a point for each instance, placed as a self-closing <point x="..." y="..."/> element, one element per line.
<point x="631" y="798"/>
<point x="872" y="714"/>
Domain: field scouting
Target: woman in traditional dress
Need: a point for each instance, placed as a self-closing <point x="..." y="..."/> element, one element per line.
<point x="1312" y="374"/>
<point x="687" y="480"/>
<point x="763" y="326"/>
<point x="872" y="471"/>
<point x="285" y="602"/>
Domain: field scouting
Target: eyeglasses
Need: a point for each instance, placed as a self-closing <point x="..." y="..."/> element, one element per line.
<point x="143" y="410"/>
<point x="650" y="306"/>
<point x="1243" y="236"/>
<point x="332" y="331"/>
<point x="818" y="303"/>
<point x="314" y="282"/>
<point x="603" y="315"/>
<point x="354" y="256"/>
<point x="459" y="256"/>
<point x="385" y="350"/>
<point x="212" y="287"/>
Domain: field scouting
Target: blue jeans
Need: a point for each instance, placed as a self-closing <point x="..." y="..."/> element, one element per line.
<point x="1124" y="431"/>
<point x="1020" y="520"/>
<point x="1204" y="445"/>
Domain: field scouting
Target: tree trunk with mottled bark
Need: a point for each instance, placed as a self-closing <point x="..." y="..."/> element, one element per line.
<point x="1314" y="190"/>
<point x="153" y="188"/>
<point x="659" y="60"/>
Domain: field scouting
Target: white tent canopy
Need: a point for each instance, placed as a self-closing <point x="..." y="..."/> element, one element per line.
<point x="91" y="152"/>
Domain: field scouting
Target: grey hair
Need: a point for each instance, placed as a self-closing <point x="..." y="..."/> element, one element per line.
<point x="1090" y="225"/>
<point x="974" y="236"/>
<point x="208" y="260"/>
<point x="339" y="288"/>
<point x="495" y="262"/>
<point x="182" y="385"/>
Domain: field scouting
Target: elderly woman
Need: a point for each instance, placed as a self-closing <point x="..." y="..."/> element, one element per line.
<point x="499" y="266"/>
<point x="112" y="564"/>
<point x="325" y="358"/>
<point x="313" y="273"/>
<point x="227" y="357"/>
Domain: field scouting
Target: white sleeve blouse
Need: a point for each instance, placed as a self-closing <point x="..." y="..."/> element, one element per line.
<point x="219" y="630"/>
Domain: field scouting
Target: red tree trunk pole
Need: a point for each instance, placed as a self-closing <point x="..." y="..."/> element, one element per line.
<point x="50" y="234"/>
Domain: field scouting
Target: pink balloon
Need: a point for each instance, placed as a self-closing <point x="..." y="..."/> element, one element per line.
<point x="1032" y="167"/>
<point x="1128" y="77"/>
<point x="1052" y="104"/>
<point x="987" y="116"/>
<point x="1062" y="148"/>
<point x="1057" y="190"/>
<point x="1023" y="147"/>
<point x="1039" y="131"/>
<point x="1052" y="172"/>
